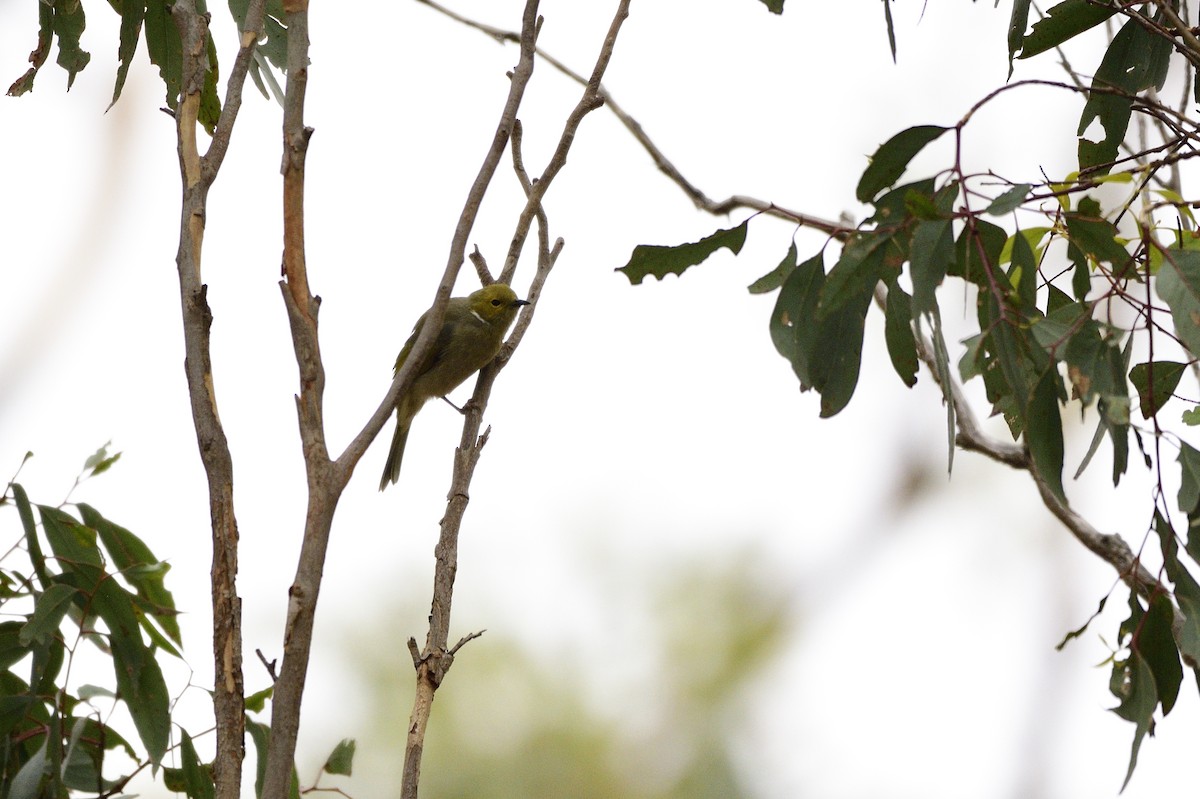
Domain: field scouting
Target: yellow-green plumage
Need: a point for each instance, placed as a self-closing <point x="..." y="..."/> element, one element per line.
<point x="471" y="335"/>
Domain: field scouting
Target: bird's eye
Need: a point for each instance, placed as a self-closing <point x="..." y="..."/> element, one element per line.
<point x="495" y="303"/>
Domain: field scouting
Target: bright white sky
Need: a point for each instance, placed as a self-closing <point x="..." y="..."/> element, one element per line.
<point x="635" y="426"/>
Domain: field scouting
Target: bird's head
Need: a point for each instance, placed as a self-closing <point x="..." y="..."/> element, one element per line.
<point x="496" y="304"/>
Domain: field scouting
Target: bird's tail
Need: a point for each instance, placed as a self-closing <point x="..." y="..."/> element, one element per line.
<point x="391" y="469"/>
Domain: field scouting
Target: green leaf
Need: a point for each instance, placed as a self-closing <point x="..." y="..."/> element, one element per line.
<point x="132" y="13"/>
<point x="892" y="158"/>
<point x="1191" y="416"/>
<point x="1062" y="22"/>
<point x="1136" y="60"/>
<point x="941" y="358"/>
<point x="837" y="354"/>
<point x="930" y="254"/>
<point x="977" y="252"/>
<point x="891" y="27"/>
<point x="69" y="23"/>
<point x="857" y="271"/>
<point x="1017" y="23"/>
<point x="1155" y="381"/>
<point x="793" y="321"/>
<point x="1024" y="274"/>
<point x="660" y="261"/>
<point x="139" y="566"/>
<point x="164" y="48"/>
<point x="1133" y="683"/>
<point x="1010" y="200"/>
<point x="139" y="678"/>
<point x="32" y="545"/>
<point x="1189" y="485"/>
<point x="210" y="97"/>
<point x="1187" y="592"/>
<point x="29" y="780"/>
<point x="48" y="614"/>
<point x="1043" y="432"/>
<point x="1178" y="285"/>
<point x="40" y="53"/>
<point x="1076" y="633"/>
<point x="898" y="332"/>
<point x="774" y="279"/>
<point x="774" y="6"/>
<point x="1096" y="237"/>
<point x="1156" y="642"/>
<point x="260" y="736"/>
<point x="197" y="779"/>
<point x="256" y="701"/>
<point x="341" y="759"/>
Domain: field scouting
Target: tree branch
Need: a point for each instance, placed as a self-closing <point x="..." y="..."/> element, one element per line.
<point x="197" y="174"/>
<point x="458" y="245"/>
<point x="698" y="197"/>
<point x="434" y="661"/>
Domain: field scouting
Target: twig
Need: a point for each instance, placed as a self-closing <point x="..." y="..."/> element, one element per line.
<point x="698" y="197"/>
<point x="434" y="660"/>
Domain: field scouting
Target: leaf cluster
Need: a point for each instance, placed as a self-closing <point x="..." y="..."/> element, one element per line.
<point x="86" y="581"/>
<point x="61" y="23"/>
<point x="1062" y="302"/>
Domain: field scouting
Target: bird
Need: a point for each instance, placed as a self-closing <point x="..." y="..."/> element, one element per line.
<point x="472" y="332"/>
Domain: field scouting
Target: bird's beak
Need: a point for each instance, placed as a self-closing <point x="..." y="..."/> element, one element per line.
<point x="520" y="302"/>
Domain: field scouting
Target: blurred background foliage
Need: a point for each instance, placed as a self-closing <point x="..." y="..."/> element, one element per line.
<point x="511" y="721"/>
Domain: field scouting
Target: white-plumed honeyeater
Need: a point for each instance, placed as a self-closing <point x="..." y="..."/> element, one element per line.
<point x="471" y="335"/>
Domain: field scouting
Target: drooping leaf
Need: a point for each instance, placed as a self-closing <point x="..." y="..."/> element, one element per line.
<point x="1136" y="60"/>
<point x="793" y="321"/>
<point x="197" y="779"/>
<point x="1155" y="381"/>
<point x="1189" y="484"/>
<point x="32" y="545"/>
<point x="774" y="279"/>
<point x="1062" y="22"/>
<point x="1178" y="284"/>
<point x="837" y="354"/>
<point x="1043" y="432"/>
<point x="1023" y="276"/>
<point x="659" y="261"/>
<point x="1083" y="628"/>
<point x="1133" y="683"/>
<point x="132" y="12"/>
<point x="891" y="27"/>
<point x="774" y="6"/>
<point x="1156" y="642"/>
<point x="942" y="360"/>
<point x="40" y="53"/>
<point x="892" y="158"/>
<point x="69" y="23"/>
<point x="1017" y="23"/>
<point x="930" y="254"/>
<point x="164" y="48"/>
<point x="898" y="332"/>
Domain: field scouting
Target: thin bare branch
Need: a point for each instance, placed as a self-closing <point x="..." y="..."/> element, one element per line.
<point x="698" y="197"/>
<point x="435" y="659"/>
<point x="458" y="246"/>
